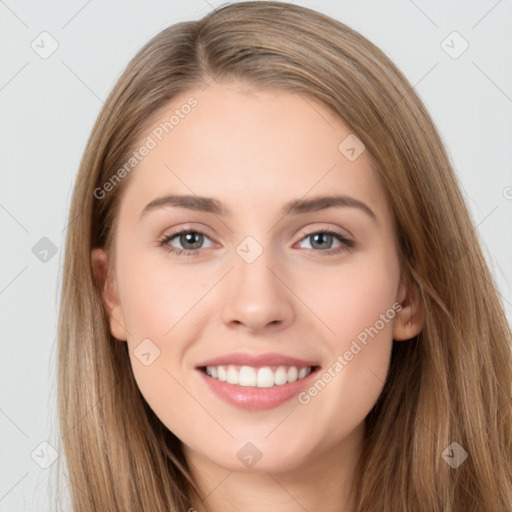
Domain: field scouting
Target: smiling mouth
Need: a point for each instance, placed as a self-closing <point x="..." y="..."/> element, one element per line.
<point x="259" y="377"/>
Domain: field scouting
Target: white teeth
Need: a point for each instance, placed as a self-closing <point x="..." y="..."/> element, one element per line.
<point x="302" y="373"/>
<point x="247" y="376"/>
<point x="264" y="377"/>
<point x="231" y="375"/>
<point x="292" y="374"/>
<point x="281" y="376"/>
<point x="221" y="373"/>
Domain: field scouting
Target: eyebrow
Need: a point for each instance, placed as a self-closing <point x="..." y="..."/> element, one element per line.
<point x="294" y="207"/>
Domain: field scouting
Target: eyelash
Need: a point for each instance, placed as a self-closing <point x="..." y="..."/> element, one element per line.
<point x="347" y="244"/>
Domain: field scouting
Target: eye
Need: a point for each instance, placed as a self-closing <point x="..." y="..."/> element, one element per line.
<point x="190" y="240"/>
<point x="322" y="241"/>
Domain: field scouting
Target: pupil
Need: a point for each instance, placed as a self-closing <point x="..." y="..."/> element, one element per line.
<point x="189" y="239"/>
<point x="321" y="236"/>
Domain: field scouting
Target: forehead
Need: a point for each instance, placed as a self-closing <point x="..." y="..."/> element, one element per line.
<point x="246" y="146"/>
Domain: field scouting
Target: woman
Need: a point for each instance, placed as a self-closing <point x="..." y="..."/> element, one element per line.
<point x="273" y="294"/>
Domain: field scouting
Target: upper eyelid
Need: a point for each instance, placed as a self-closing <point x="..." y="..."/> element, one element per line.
<point x="204" y="231"/>
<point x="336" y="230"/>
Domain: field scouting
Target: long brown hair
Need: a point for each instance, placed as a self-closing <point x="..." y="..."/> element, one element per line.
<point x="451" y="383"/>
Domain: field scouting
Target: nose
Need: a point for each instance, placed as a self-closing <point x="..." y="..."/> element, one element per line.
<point x="257" y="297"/>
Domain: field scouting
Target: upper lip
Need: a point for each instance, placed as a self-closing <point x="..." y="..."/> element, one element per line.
<point x="248" y="359"/>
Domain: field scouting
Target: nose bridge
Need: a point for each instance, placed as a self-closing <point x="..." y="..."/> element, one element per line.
<point x="252" y="265"/>
<point x="256" y="296"/>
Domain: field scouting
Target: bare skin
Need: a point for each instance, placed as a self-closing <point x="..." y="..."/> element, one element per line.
<point x="255" y="150"/>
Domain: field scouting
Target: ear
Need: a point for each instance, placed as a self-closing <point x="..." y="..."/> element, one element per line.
<point x="108" y="283"/>
<point x="409" y="320"/>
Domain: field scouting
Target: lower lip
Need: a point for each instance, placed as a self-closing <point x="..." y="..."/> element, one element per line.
<point x="257" y="399"/>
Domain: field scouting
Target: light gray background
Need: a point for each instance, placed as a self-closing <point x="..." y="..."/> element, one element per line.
<point x="48" y="107"/>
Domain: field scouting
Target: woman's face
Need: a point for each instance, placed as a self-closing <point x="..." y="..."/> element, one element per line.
<point x="246" y="170"/>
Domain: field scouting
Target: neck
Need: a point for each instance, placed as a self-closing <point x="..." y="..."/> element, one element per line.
<point x="324" y="480"/>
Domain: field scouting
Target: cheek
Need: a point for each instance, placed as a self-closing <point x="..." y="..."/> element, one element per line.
<point x="356" y="306"/>
<point x="352" y="298"/>
<point x="157" y="296"/>
<point x="156" y="314"/>
<point x="158" y="301"/>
